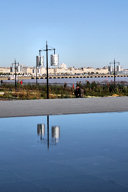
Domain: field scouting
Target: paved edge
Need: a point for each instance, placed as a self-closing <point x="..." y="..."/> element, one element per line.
<point x="22" y="108"/>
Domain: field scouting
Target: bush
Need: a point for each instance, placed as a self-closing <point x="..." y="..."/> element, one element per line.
<point x="38" y="91"/>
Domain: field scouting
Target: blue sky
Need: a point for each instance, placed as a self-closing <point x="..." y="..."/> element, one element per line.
<point x="84" y="32"/>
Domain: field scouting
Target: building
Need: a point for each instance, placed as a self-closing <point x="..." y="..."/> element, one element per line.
<point x="62" y="70"/>
<point x="4" y="70"/>
<point x="118" y="69"/>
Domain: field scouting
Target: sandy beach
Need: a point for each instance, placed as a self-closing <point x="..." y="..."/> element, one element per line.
<point x="62" y="106"/>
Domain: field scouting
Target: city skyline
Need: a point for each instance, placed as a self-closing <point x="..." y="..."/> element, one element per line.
<point x="85" y="33"/>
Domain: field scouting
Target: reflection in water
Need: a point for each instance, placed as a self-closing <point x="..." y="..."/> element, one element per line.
<point x="92" y="156"/>
<point x="45" y="138"/>
<point x="41" y="130"/>
<point x="55" y="133"/>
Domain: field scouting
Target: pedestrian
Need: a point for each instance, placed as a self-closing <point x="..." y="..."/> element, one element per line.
<point x="78" y="92"/>
<point x="65" y="85"/>
<point x="21" y="82"/>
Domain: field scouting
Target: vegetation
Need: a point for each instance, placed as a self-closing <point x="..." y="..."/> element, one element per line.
<point x="102" y="90"/>
<point x="29" y="91"/>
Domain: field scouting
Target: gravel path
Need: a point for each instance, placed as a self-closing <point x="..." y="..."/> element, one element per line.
<point x="62" y="106"/>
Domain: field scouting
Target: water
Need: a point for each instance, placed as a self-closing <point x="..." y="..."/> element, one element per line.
<point x="66" y="153"/>
<point x="71" y="81"/>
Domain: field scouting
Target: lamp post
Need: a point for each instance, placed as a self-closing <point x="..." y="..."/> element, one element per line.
<point x="15" y="66"/>
<point x="47" y="70"/>
<point x="38" y="64"/>
<point x="36" y="73"/>
<point x="114" y="73"/>
<point x="47" y="50"/>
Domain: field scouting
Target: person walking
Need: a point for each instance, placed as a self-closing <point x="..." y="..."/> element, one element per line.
<point x="78" y="92"/>
<point x="21" y="82"/>
<point x="1" y="82"/>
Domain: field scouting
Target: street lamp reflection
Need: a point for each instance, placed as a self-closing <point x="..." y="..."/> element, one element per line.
<point x="55" y="134"/>
<point x="41" y="130"/>
<point x="49" y="137"/>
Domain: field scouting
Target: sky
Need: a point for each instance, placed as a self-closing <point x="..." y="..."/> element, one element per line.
<point x="85" y="33"/>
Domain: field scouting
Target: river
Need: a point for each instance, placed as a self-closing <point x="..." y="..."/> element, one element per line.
<point x="71" y="81"/>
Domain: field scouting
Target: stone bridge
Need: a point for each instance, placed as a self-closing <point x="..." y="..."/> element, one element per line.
<point x="78" y="76"/>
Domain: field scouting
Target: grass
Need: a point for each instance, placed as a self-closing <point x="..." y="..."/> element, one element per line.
<point x="30" y="91"/>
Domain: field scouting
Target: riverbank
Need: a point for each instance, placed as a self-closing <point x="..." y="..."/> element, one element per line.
<point x="62" y="106"/>
<point x="30" y="92"/>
